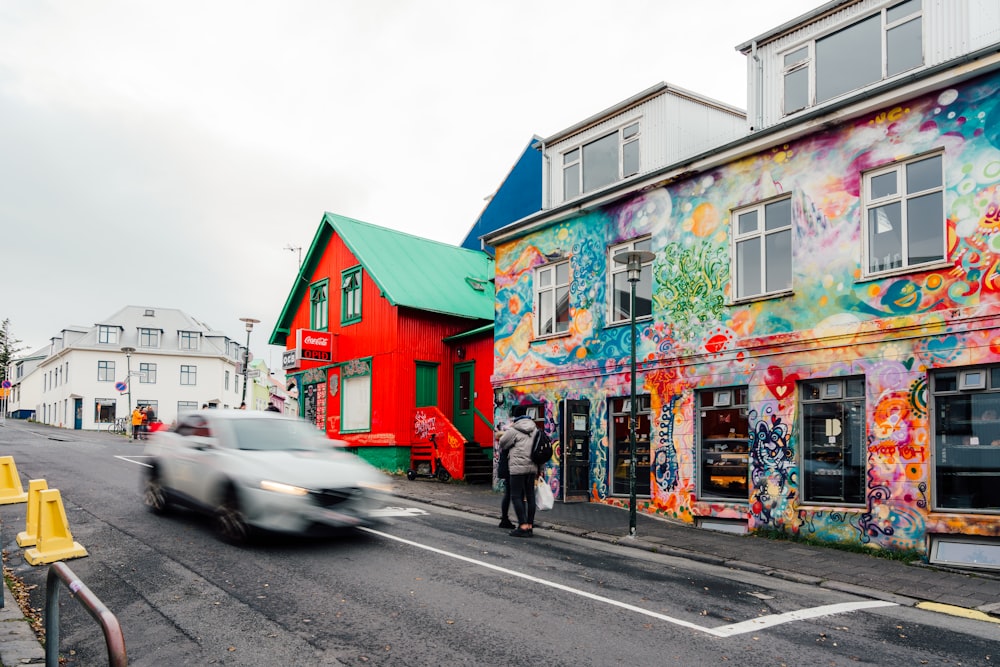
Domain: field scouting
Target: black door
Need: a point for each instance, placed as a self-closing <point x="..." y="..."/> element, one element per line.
<point x="576" y="451"/>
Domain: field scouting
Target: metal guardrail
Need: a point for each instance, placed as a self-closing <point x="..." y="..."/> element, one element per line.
<point x="109" y="623"/>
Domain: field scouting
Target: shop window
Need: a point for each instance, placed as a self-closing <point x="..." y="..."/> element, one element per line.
<point x="833" y="441"/>
<point x="104" y="410"/>
<point x="355" y="397"/>
<point x="966" y="414"/>
<point x="620" y="412"/>
<point x="724" y="444"/>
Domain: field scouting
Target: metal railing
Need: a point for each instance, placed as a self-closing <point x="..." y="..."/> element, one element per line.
<point x="109" y="623"/>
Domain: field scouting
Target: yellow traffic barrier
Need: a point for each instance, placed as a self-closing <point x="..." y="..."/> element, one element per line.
<point x="29" y="536"/>
<point x="11" y="490"/>
<point x="55" y="542"/>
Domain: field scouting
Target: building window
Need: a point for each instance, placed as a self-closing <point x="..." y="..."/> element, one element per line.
<point x="104" y="410"/>
<point x="621" y="292"/>
<point x="318" y="306"/>
<point x="601" y="162"/>
<point x="186" y="406"/>
<point x="552" y="298"/>
<point x="187" y="340"/>
<point x="620" y="412"/>
<point x="227" y="380"/>
<point x="356" y="397"/>
<point x="763" y="258"/>
<point x="189" y="375"/>
<point x="107" y="335"/>
<point x="350" y="296"/>
<point x="904" y="215"/>
<point x="149" y="338"/>
<point x="724" y="444"/>
<point x="147" y="373"/>
<point x="105" y="371"/>
<point x="877" y="47"/>
<point x="833" y="441"/>
<point x="966" y="414"/>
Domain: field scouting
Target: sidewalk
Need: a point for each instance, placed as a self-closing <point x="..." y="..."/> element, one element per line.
<point x="854" y="573"/>
<point x="18" y="643"/>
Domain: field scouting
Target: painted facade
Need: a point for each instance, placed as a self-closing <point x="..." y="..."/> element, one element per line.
<point x="842" y="321"/>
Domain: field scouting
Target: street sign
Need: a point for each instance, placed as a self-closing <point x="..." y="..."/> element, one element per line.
<point x="121" y="386"/>
<point x="255" y="373"/>
<point x="6" y="384"/>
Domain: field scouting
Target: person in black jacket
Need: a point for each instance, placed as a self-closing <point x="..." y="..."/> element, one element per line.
<point x="503" y="473"/>
<point x="517" y="440"/>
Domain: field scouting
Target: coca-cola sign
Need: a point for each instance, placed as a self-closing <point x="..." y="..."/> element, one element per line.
<point x="314" y="345"/>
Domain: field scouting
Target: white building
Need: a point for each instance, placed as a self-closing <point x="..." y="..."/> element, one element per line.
<point x="81" y="380"/>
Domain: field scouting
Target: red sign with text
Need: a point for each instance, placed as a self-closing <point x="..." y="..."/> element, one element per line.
<point x="315" y="345"/>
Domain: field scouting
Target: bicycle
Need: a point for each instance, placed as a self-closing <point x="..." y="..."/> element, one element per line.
<point x="119" y="426"/>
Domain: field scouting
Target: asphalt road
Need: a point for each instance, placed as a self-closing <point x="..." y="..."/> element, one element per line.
<point x="433" y="587"/>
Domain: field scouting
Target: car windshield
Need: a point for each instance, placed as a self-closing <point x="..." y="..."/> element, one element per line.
<point x="277" y="435"/>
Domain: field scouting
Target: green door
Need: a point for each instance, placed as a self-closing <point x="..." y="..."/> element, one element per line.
<point x="427" y="384"/>
<point x="464" y="383"/>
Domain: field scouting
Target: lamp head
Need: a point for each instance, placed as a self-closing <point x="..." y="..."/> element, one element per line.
<point x="633" y="261"/>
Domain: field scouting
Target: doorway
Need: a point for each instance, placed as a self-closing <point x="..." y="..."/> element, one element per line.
<point x="463" y="418"/>
<point x="77" y="413"/>
<point x="576" y="451"/>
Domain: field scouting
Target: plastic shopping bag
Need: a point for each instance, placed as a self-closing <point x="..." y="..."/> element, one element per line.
<point x="543" y="495"/>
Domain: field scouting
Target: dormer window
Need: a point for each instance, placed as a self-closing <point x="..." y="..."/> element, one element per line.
<point x="875" y="48"/>
<point x="107" y="335"/>
<point x="187" y="340"/>
<point x="601" y="162"/>
<point x="149" y="338"/>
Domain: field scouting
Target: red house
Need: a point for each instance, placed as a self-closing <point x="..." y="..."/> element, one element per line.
<point x="389" y="339"/>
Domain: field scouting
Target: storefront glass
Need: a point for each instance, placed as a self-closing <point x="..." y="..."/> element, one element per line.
<point x="724" y="443"/>
<point x="833" y="441"/>
<point x="620" y="414"/>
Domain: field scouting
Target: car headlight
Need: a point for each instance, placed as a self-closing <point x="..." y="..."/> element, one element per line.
<point x="381" y="487"/>
<point x="279" y="487"/>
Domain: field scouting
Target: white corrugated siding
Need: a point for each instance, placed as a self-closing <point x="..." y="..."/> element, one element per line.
<point x="672" y="127"/>
<point x="951" y="28"/>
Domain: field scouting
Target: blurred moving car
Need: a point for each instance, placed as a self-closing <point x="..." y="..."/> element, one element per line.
<point x="260" y="471"/>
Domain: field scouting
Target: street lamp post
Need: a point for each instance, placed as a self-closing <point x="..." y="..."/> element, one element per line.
<point x="249" y="321"/>
<point x="128" y="383"/>
<point x="633" y="261"/>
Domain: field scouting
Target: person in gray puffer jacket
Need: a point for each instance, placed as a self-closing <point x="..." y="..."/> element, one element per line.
<point x="517" y="441"/>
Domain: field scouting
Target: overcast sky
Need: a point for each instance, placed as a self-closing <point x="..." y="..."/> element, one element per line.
<point x="165" y="154"/>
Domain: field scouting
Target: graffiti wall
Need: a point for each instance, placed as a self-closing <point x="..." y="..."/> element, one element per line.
<point x="892" y="331"/>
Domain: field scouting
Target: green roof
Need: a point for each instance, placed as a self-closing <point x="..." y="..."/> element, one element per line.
<point x="410" y="271"/>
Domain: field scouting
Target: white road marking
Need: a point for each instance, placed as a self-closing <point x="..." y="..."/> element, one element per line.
<point x="724" y="631"/>
<point x="130" y="460"/>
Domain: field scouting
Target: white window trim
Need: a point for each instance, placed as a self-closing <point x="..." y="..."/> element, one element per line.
<point x="619" y="130"/>
<point x="615" y="268"/>
<point x="762" y="232"/>
<point x="810" y="60"/>
<point x="549" y="292"/>
<point x="901" y="196"/>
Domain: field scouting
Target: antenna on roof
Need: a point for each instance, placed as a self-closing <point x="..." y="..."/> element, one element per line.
<point x="293" y="249"/>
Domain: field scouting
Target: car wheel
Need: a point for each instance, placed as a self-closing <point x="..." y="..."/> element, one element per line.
<point x="230" y="522"/>
<point x="155" y="495"/>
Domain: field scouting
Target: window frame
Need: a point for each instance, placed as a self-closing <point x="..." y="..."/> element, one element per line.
<point x="105" y="371"/>
<point x="355" y="377"/>
<point x="717" y="447"/>
<point x="762" y="233"/>
<point x="548" y="295"/>
<point x="830" y="392"/>
<point x="147" y="376"/>
<point x="573" y="168"/>
<point x="870" y="204"/>
<point x="149" y="337"/>
<point x="107" y="334"/>
<point x="319" y="305"/>
<point x="350" y="297"/>
<point x="189" y="372"/>
<point x="809" y="62"/>
<point x="188" y="340"/>
<point x="616" y="269"/>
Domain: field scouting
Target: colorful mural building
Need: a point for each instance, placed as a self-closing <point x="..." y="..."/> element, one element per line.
<point x="818" y="332"/>
<point x="389" y="343"/>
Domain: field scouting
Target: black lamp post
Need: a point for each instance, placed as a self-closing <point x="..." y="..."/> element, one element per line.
<point x="128" y="382"/>
<point x="633" y="261"/>
<point x="249" y="321"/>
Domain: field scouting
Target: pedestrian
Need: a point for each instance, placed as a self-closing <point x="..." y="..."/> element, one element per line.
<point x="516" y="440"/>
<point x="243" y="406"/>
<point x="150" y="420"/>
<point x="136" y="422"/>
<point x="145" y="422"/>
<point x="503" y="473"/>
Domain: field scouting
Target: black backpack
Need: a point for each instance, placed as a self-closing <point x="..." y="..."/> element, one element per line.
<point x="541" y="448"/>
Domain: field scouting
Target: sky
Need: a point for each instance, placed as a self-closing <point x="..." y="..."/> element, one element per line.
<point x="179" y="154"/>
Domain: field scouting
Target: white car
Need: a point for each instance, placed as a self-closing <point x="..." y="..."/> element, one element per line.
<point x="260" y="471"/>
